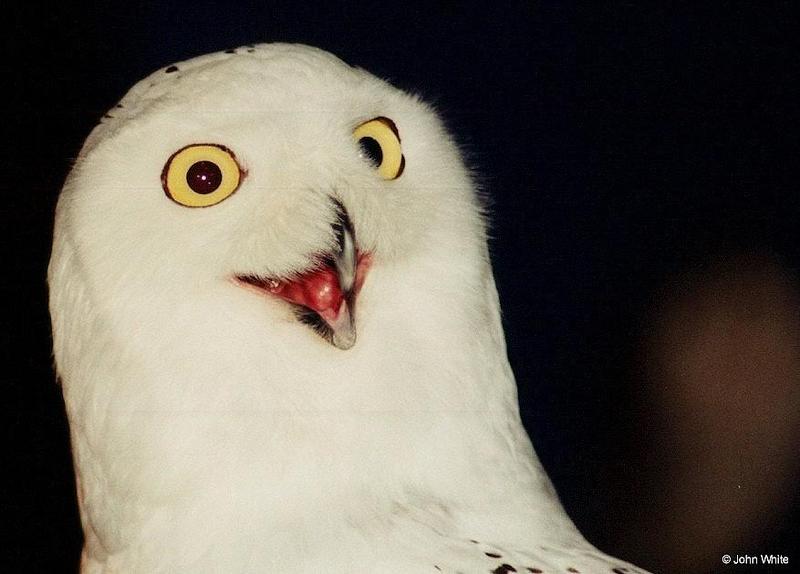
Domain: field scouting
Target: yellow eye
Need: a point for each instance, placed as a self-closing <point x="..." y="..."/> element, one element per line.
<point x="379" y="141"/>
<point x="200" y="175"/>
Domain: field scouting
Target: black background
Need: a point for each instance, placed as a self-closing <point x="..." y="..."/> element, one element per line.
<point x="620" y="143"/>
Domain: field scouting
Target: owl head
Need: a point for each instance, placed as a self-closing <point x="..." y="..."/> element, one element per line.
<point x="268" y="200"/>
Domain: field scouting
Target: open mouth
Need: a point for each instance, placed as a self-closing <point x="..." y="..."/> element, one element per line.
<point x="324" y="296"/>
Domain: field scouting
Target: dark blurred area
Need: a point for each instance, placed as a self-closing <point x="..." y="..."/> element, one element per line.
<point x="642" y="164"/>
<point x="721" y="365"/>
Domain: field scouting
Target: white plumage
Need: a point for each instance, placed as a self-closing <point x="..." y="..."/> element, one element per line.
<point x="216" y="426"/>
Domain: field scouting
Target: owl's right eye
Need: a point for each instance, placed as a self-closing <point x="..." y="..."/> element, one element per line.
<point x="201" y="175"/>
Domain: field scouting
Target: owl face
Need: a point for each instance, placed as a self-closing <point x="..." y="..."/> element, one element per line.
<point x="275" y="175"/>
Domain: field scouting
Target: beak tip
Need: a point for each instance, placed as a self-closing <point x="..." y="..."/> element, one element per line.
<point x="343" y="329"/>
<point x="344" y="342"/>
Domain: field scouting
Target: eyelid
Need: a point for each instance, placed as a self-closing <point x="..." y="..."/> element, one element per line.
<point x="389" y="124"/>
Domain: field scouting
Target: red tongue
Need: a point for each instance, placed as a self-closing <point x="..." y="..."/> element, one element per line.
<point x="318" y="290"/>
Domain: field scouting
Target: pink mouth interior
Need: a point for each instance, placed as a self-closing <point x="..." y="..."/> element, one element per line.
<point x="319" y="289"/>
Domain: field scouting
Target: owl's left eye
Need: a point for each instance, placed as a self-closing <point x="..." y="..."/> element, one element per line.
<point x="201" y="175"/>
<point x="379" y="143"/>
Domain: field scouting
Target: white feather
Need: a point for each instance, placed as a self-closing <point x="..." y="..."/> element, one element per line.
<point x="212" y="431"/>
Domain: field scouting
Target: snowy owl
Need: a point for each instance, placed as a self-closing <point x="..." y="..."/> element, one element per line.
<point x="279" y="337"/>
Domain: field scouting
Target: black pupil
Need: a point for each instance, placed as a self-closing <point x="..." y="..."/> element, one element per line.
<point x="371" y="150"/>
<point x="204" y="177"/>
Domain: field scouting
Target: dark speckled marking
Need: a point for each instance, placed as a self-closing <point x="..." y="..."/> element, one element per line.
<point x="573" y="570"/>
<point x="230" y="51"/>
<point x="171" y="69"/>
<point x="493" y="555"/>
<point x="504" y="569"/>
<point x="250" y="50"/>
<point x="120" y="106"/>
<point x="435" y="566"/>
<point x="534" y="570"/>
<point x="107" y="116"/>
<point x="619" y="570"/>
<point x="474" y="541"/>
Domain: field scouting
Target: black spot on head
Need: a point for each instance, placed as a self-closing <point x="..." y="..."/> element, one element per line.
<point x="230" y="51"/>
<point x="504" y="569"/>
<point x="493" y="555"/>
<point x="171" y="69"/>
